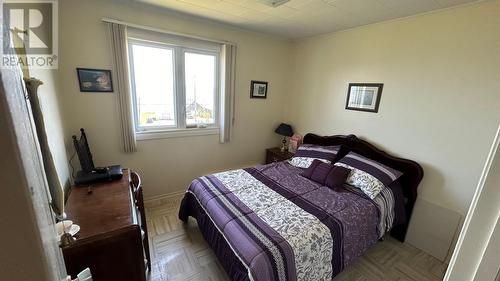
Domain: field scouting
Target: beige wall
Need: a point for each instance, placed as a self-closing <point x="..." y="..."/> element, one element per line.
<point x="168" y="165"/>
<point x="441" y="99"/>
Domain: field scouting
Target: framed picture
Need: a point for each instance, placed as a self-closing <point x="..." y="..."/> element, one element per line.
<point x="94" y="80"/>
<point x="364" y="96"/>
<point x="258" y="90"/>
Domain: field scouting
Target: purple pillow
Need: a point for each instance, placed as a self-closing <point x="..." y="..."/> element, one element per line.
<point x="326" y="174"/>
<point x="337" y="177"/>
<point x="309" y="170"/>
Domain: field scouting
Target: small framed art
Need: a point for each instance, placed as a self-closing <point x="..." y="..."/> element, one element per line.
<point x="364" y="96"/>
<point x="258" y="90"/>
<point x="94" y="80"/>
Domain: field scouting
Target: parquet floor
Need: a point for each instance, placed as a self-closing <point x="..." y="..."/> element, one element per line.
<point x="179" y="253"/>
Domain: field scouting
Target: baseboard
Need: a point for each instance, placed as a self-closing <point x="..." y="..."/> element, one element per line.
<point x="169" y="198"/>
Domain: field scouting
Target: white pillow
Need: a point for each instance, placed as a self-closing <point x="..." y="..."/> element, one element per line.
<point x="307" y="153"/>
<point x="369" y="184"/>
<point x="305" y="162"/>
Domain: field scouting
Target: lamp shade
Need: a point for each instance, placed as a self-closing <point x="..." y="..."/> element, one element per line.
<point x="284" y="130"/>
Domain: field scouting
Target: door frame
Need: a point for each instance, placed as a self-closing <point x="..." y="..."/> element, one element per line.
<point x="29" y="193"/>
<point x="471" y="258"/>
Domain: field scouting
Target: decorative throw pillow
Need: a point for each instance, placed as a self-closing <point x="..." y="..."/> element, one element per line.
<point x="327" y="174"/>
<point x="368" y="175"/>
<point x="337" y="177"/>
<point x="317" y="171"/>
<point x="307" y="153"/>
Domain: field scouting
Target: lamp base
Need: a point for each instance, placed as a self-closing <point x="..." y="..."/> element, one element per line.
<point x="284" y="147"/>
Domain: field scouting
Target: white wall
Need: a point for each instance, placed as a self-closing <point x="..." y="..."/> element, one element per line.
<point x="168" y="165"/>
<point x="441" y="99"/>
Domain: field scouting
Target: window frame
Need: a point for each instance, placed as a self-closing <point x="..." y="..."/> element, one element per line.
<point x="180" y="127"/>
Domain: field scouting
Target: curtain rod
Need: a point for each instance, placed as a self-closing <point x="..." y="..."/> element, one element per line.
<point x="149" y="28"/>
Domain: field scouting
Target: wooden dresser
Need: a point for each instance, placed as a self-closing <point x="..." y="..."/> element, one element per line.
<point x="113" y="239"/>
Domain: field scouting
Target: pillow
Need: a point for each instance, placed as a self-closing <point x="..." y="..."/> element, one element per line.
<point x="307" y="153"/>
<point x="368" y="175"/>
<point x="337" y="177"/>
<point x="326" y="174"/>
<point x="317" y="171"/>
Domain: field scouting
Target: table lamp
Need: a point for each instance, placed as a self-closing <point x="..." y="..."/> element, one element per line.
<point x="286" y="131"/>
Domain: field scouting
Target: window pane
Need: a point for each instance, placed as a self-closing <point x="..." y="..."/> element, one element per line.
<point x="154" y="85"/>
<point x="200" y="89"/>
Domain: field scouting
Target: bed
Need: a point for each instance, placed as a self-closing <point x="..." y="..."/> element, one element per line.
<point x="270" y="223"/>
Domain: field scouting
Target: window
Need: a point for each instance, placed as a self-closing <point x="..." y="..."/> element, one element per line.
<point x="153" y="86"/>
<point x="200" y="85"/>
<point x="174" y="87"/>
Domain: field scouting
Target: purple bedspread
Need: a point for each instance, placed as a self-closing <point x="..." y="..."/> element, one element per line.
<point x="277" y="225"/>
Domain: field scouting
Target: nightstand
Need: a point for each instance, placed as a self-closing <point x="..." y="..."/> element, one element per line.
<point x="275" y="155"/>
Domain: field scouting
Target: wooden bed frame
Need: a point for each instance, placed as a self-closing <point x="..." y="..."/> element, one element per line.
<point x="412" y="171"/>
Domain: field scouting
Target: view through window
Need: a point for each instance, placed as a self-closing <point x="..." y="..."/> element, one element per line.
<point x="200" y="88"/>
<point x="154" y="86"/>
<point x="173" y="87"/>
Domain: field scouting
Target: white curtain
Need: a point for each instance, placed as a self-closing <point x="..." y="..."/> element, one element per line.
<point x="122" y="84"/>
<point x="228" y="88"/>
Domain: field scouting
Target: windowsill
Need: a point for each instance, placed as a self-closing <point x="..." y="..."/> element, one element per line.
<point x="176" y="133"/>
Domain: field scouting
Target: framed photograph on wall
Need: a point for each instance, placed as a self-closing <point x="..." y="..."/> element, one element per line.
<point x="364" y="96"/>
<point x="258" y="90"/>
<point x="94" y="80"/>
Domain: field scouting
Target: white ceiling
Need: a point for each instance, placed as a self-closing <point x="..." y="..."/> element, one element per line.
<point x="302" y="18"/>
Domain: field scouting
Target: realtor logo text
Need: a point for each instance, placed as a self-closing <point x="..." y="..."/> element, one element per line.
<point x="29" y="34"/>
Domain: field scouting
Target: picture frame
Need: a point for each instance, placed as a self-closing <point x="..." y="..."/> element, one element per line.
<point x="94" y="80"/>
<point x="364" y="96"/>
<point x="258" y="89"/>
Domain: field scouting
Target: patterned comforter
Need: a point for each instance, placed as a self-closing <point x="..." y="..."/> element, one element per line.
<point x="283" y="226"/>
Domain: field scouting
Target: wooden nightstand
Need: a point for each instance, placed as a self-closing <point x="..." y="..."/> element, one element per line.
<point x="275" y="155"/>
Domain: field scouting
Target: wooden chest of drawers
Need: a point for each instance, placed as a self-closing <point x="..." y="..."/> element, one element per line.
<point x="113" y="239"/>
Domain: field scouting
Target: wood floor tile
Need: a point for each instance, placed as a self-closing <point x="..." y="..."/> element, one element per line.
<point x="179" y="253"/>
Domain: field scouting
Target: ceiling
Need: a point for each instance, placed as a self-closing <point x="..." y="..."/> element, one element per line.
<point x="302" y="18"/>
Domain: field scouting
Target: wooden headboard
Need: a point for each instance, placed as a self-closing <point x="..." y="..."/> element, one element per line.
<point x="412" y="171"/>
